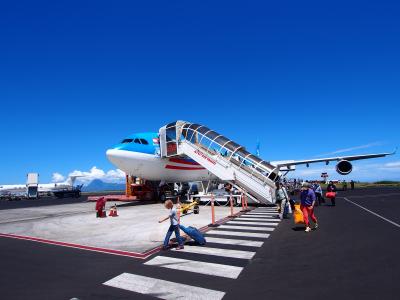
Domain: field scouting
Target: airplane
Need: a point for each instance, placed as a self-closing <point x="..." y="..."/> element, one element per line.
<point x="42" y="188"/>
<point x="140" y="155"/>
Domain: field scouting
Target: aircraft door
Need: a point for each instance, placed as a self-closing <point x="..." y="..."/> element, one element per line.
<point x="168" y="140"/>
<point x="163" y="144"/>
<point x="171" y="142"/>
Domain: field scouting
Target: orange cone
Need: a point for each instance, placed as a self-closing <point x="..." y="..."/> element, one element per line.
<point x="113" y="211"/>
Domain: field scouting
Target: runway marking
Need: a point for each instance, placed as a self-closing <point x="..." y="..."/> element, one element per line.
<point x="234" y="242"/>
<point x="218" y="252"/>
<point x="253" y="223"/>
<point x="236" y="233"/>
<point x="162" y="289"/>
<point x="143" y="255"/>
<point x="266" y="208"/>
<point x="272" y="216"/>
<point x="257" y="219"/>
<point x="371" y="212"/>
<point x="261" y="213"/>
<point x="196" y="266"/>
<point x="250" y="220"/>
<point x="258" y="228"/>
<point x="376" y="195"/>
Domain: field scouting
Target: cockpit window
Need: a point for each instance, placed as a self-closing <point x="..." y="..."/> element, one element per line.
<point x="144" y="142"/>
<point x="137" y="141"/>
<point x="127" y="141"/>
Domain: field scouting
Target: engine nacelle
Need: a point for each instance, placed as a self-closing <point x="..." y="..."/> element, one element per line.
<point x="344" y="167"/>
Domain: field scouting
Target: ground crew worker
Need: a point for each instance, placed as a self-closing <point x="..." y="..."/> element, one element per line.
<point x="307" y="198"/>
<point x="100" y="207"/>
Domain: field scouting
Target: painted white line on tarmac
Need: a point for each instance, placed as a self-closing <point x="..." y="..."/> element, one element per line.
<point x="257" y="219"/>
<point x="234" y="242"/>
<point x="376" y="195"/>
<point x="259" y="216"/>
<point x="162" y="289"/>
<point x="251" y="228"/>
<point x="265" y="220"/>
<point x="217" y="252"/>
<point x="371" y="212"/>
<point x="196" y="266"/>
<point x="253" y="223"/>
<point x="260" y="213"/>
<point x="236" y="233"/>
<point x="263" y="214"/>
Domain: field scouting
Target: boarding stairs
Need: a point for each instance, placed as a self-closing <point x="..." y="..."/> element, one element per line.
<point x="222" y="157"/>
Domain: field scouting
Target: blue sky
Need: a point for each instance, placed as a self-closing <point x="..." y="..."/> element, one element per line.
<point x="306" y="78"/>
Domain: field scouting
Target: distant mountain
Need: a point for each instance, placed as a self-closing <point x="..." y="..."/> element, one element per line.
<point x="97" y="186"/>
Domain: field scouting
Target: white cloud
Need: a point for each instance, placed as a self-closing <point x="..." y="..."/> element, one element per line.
<point x="352" y="149"/>
<point x="392" y="165"/>
<point x="111" y="176"/>
<point x="57" y="177"/>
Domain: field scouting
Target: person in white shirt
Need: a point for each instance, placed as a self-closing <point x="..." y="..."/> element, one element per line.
<point x="282" y="199"/>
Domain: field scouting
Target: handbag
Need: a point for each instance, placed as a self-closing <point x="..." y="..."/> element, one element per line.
<point x="330" y="195"/>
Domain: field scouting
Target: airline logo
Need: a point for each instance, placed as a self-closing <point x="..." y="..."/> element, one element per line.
<point x="205" y="157"/>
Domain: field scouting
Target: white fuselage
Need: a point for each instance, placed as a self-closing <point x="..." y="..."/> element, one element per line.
<point x="153" y="167"/>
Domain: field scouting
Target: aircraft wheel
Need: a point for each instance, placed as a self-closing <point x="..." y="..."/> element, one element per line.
<point x="163" y="198"/>
<point x="196" y="209"/>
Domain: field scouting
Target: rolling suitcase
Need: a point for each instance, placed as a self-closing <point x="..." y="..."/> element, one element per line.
<point x="298" y="215"/>
<point x="194" y="233"/>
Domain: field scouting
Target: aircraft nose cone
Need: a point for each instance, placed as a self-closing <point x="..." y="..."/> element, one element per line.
<point x="112" y="155"/>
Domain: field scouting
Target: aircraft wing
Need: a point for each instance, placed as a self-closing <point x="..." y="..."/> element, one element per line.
<point x="289" y="163"/>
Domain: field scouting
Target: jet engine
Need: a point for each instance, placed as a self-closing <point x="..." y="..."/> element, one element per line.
<point x="344" y="167"/>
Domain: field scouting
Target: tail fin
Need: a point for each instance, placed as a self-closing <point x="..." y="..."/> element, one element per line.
<point x="71" y="179"/>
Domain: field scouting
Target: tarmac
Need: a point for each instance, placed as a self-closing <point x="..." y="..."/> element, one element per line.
<point x="136" y="229"/>
<point x="352" y="255"/>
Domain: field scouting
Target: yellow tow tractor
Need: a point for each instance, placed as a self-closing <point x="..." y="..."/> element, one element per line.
<point x="186" y="207"/>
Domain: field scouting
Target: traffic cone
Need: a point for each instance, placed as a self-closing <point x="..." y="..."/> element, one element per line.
<point x="113" y="211"/>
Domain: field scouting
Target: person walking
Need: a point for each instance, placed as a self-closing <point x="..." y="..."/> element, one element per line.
<point x="282" y="198"/>
<point x="352" y="184"/>
<point x="318" y="193"/>
<point x="307" y="198"/>
<point x="344" y="185"/>
<point x="174" y="225"/>
<point x="332" y="189"/>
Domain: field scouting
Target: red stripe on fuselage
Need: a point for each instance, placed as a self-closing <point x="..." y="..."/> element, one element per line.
<point x="182" y="161"/>
<point x="182" y="168"/>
